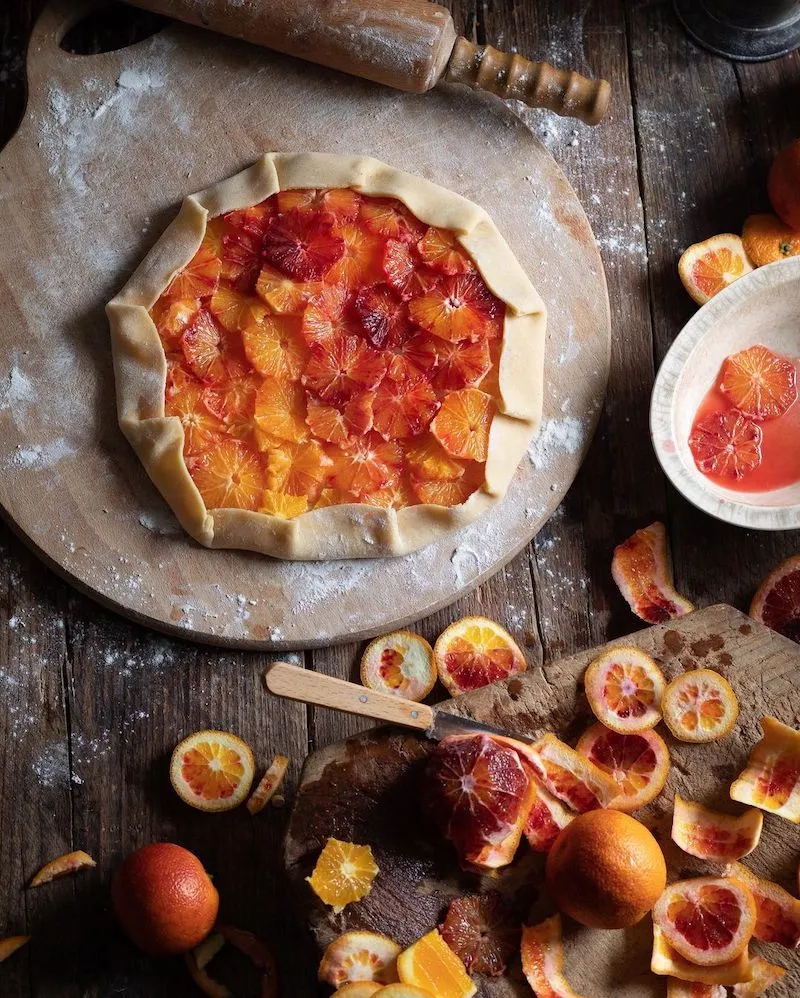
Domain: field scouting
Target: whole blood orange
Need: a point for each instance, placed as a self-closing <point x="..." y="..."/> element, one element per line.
<point x="164" y="899"/>
<point x="606" y="870"/>
<point x="783" y="184"/>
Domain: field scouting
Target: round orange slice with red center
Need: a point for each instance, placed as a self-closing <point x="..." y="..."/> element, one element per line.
<point x="707" y="920"/>
<point x="759" y="383"/>
<point x="638" y="762"/>
<point x="212" y="770"/>
<point x="700" y="706"/>
<point x="777" y="601"/>
<point x="400" y="663"/>
<point x="709" y="267"/>
<point x="474" y="652"/>
<point x="624" y="687"/>
<point x="726" y="444"/>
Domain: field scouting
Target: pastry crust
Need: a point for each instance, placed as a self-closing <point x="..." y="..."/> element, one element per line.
<point x="350" y="530"/>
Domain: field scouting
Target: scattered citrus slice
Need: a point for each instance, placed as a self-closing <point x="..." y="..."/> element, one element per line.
<point x="10" y="945"/>
<point x="383" y="315"/>
<point x="463" y="422"/>
<point x="474" y="652"/>
<point x="461" y="364"/>
<point x="359" y="956"/>
<point x="298" y="469"/>
<point x="449" y="493"/>
<point x="62" y="866"/>
<point x="767" y="239"/>
<point x="200" y="426"/>
<point x="280" y="410"/>
<point x="712" y="835"/>
<point x="429" y="461"/>
<point x="458" y="308"/>
<point x="400" y="663"/>
<point x="726" y="444"/>
<point x="692" y="989"/>
<point x="639" y="763"/>
<point x="758" y="382"/>
<point x="212" y="770"/>
<point x="172" y="316"/>
<point x="783" y="184"/>
<point x="641" y="570"/>
<point x="343" y="874"/>
<point x="699" y="706"/>
<point x="360" y="264"/>
<point x="482" y="931"/>
<point x="777" y="911"/>
<point x="765" y="974"/>
<point x="385" y="218"/>
<point x="358" y="989"/>
<point x="199" y="278"/>
<point x="545" y="820"/>
<point x="241" y="258"/>
<point x="777" y="602"/>
<point x="228" y="475"/>
<point x="708" y="267"/>
<point x="771" y="779"/>
<point x="571" y="777"/>
<point x="430" y="964"/>
<point x="708" y="920"/>
<point x="624" y="687"/>
<point x="543" y="959"/>
<point x="667" y="962"/>
<point x="208" y="350"/>
<point x="268" y="784"/>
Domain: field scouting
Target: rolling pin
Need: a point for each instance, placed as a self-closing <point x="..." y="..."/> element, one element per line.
<point x="408" y="44"/>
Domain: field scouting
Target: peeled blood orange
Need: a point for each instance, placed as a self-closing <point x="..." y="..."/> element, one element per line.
<point x="777" y="601"/>
<point x="543" y="960"/>
<point x="771" y="778"/>
<point x="777" y="912"/>
<point x="639" y="763"/>
<point x="624" y="687"/>
<point x="640" y="568"/>
<point x="714" y="836"/>
<point x="482" y="931"/>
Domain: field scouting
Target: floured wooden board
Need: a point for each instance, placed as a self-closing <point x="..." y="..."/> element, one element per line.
<point x="367" y="790"/>
<point x="109" y="147"/>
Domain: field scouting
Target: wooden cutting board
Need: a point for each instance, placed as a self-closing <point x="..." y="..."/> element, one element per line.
<point x="366" y="790"/>
<point x="109" y="146"/>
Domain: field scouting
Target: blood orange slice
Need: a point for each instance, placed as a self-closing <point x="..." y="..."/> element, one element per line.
<point x="699" y="706"/>
<point x="340" y="203"/>
<point x="777" y="601"/>
<point x="337" y="426"/>
<point x="404" y="403"/>
<point x="448" y="493"/>
<point x="459" y="308"/>
<point x="462" y="424"/>
<point x="304" y="248"/>
<point x="298" y="469"/>
<point x="714" y="836"/>
<point x="759" y="383"/>
<point x="543" y="960"/>
<point x="482" y="931"/>
<point x="282" y="504"/>
<point x="708" y="920"/>
<point x="366" y="464"/>
<point x="726" y="444"/>
<point x="777" y="912"/>
<point x="200" y="427"/>
<point x="640" y="568"/>
<point x="546" y="818"/>
<point x="212" y="770"/>
<point x="241" y="258"/>
<point x="328" y="315"/>
<point x="441" y="251"/>
<point x="571" y="777"/>
<point x="667" y="962"/>
<point x="771" y="779"/>
<point x="228" y="475"/>
<point x="268" y="784"/>
<point x="638" y="762"/>
<point x="692" y="989"/>
<point x="765" y="974"/>
<point x="398" y="267"/>
<point x="461" y="364"/>
<point x="230" y="308"/>
<point x="428" y="460"/>
<point x="359" y="956"/>
<point x="383" y="315"/>
<point x="385" y="218"/>
<point x="199" y="278"/>
<point x="474" y="652"/>
<point x="172" y="316"/>
<point x="339" y="369"/>
<point x="624" y="687"/>
<point x="360" y="264"/>
<point x="63" y="866"/>
<point x="708" y="267"/>
<point x="282" y="294"/>
<point x="400" y="663"/>
<point x="207" y="349"/>
<point x="343" y="873"/>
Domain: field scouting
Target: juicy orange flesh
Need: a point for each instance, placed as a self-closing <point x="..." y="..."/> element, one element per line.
<point x="700" y="707"/>
<point x="716" y="269"/>
<point x="630" y="759"/>
<point x="212" y="771"/>
<point x="479" y="655"/>
<point x="430" y="964"/>
<point x="709" y="919"/>
<point x="781" y="610"/>
<point x="629" y="691"/>
<point x="776" y="781"/>
<point x="720" y="843"/>
<point x="344" y="873"/>
<point x="390" y="669"/>
<point x="413" y="342"/>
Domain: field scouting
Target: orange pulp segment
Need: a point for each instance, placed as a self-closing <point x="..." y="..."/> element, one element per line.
<point x="641" y="570"/>
<point x="343" y="873"/>
<point x="543" y="959"/>
<point x="711" y="835"/>
<point x="430" y="964"/>
<point x="546" y="818"/>
<point x="771" y="779"/>
<point x="699" y="706"/>
<point x="624" y="687"/>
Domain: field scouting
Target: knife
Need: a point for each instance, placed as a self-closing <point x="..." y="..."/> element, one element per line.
<point x="295" y="683"/>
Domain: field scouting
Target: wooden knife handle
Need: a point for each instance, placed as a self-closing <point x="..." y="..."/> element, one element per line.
<point x="537" y="84"/>
<point x="294" y="683"/>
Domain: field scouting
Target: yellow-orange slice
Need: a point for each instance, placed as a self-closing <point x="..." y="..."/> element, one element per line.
<point x="571" y="777"/>
<point x="400" y="663"/>
<point x="699" y="706"/>
<point x="708" y="267"/>
<point x="62" y="866"/>
<point x="543" y="960"/>
<point x="359" y="956"/>
<point x="430" y="964"/>
<point x="708" y="920"/>
<point x="667" y="962"/>
<point x="212" y="770"/>
<point x="462" y="424"/>
<point x="405" y="991"/>
<point x="692" y="989"/>
<point x="474" y="652"/>
<point x="268" y="784"/>
<point x="638" y="763"/>
<point x="358" y="989"/>
<point x="777" y="912"/>
<point x="765" y="974"/>
<point x="282" y="504"/>
<point x="624" y="687"/>
<point x="343" y="874"/>
<point x="771" y="779"/>
<point x="712" y="835"/>
<point x="10" y="945"/>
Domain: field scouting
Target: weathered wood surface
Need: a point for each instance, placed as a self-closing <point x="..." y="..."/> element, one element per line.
<point x="368" y="790"/>
<point x="92" y="705"/>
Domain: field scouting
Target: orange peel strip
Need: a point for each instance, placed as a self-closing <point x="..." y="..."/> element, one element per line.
<point x="430" y="965"/>
<point x="260" y="955"/>
<point x="700" y="706"/>
<point x="207" y="984"/>
<point x="641" y="570"/>
<point x="765" y="974"/>
<point x="771" y="778"/>
<point x="667" y="962"/>
<point x="712" y="835"/>
<point x="63" y="866"/>
<point x="691" y="989"/>
<point x="777" y="911"/>
<point x="359" y="956"/>
<point x="543" y="959"/>
<point x="10" y="945"/>
<point x="570" y="777"/>
<point x="268" y="784"/>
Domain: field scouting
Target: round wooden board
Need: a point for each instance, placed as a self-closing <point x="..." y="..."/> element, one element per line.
<point x="109" y="147"/>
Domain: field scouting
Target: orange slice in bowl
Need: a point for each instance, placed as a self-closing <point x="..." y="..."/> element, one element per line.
<point x="708" y="267"/>
<point x="343" y="873"/>
<point x="691" y="989"/>
<point x="712" y="835"/>
<point x="765" y="974"/>
<point x="359" y="956"/>
<point x="641" y="570"/>
<point x="708" y="920"/>
<point x="543" y="959"/>
<point x="771" y="779"/>
<point x="212" y="770"/>
<point x="571" y="777"/>
<point x="546" y="818"/>
<point x="474" y="652"/>
<point x="726" y="444"/>
<point x="766" y="239"/>
<point x="700" y="706"/>
<point x="759" y="383"/>
<point x="482" y="932"/>
<point x="667" y="962"/>
<point x="777" y="912"/>
<point x="777" y="602"/>
<point x="638" y="763"/>
<point x="400" y="663"/>
<point x="431" y="965"/>
<point x="624" y="687"/>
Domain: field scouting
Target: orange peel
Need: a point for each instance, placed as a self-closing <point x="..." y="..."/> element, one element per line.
<point x="667" y="962"/>
<point x="196" y="961"/>
<point x="10" y="945"/>
<point x="543" y="959"/>
<point x="571" y="777"/>
<point x="708" y="267"/>
<point x="712" y="835"/>
<point x="430" y="964"/>
<point x="358" y="989"/>
<point x="474" y="652"/>
<point x="400" y="663"/>
<point x="765" y="974"/>
<point x="546" y="818"/>
<point x="63" y="866"/>
<point x="692" y="989"/>
<point x="268" y="784"/>
<point x="343" y="873"/>
<point x="638" y="763"/>
<point x="624" y="687"/>
<point x="777" y="601"/>
<point x="771" y="778"/>
<point x="359" y="956"/>
<point x="212" y="770"/>
<point x="640" y="568"/>
<point x="405" y="991"/>
<point x="699" y="706"/>
<point x="777" y="911"/>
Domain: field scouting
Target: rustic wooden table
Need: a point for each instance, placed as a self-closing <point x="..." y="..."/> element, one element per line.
<point x="92" y="705"/>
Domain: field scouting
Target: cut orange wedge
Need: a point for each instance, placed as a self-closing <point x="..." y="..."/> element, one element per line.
<point x="400" y="663"/>
<point x="359" y="956"/>
<point x="711" y="835"/>
<point x="700" y="706"/>
<point x="638" y="763"/>
<point x="709" y="267"/>
<point x="343" y="874"/>
<point x="10" y="945"/>
<point x="430" y="964"/>
<point x="640" y="568"/>
<point x="765" y="974"/>
<point x="777" y="602"/>
<point x="71" y="862"/>
<point x="212" y="770"/>
<point x="667" y="962"/>
<point x="543" y="960"/>
<point x="777" y="912"/>
<point x="624" y="687"/>
<point x="708" y="920"/>
<point x="268" y="784"/>
<point x="474" y="652"/>
<point x="771" y="779"/>
<point x="691" y="989"/>
<point x="546" y="818"/>
<point x="571" y="777"/>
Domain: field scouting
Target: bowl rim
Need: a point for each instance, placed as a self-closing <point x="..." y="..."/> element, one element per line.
<point x="661" y="401"/>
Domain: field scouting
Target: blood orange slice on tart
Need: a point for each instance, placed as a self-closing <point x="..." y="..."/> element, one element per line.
<point x="771" y="778"/>
<point x="711" y="835"/>
<point x="400" y="663"/>
<point x="640" y="568"/>
<point x="777" y="911"/>
<point x="759" y="383"/>
<point x="482" y="931"/>
<point x="624" y="687"/>
<point x="543" y="959"/>
<point x="699" y="706"/>
<point x="727" y="444"/>
<point x="638" y="762"/>
<point x="777" y="601"/>
<point x="474" y="652"/>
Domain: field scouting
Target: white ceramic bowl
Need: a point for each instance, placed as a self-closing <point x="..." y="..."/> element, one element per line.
<point x="762" y="307"/>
